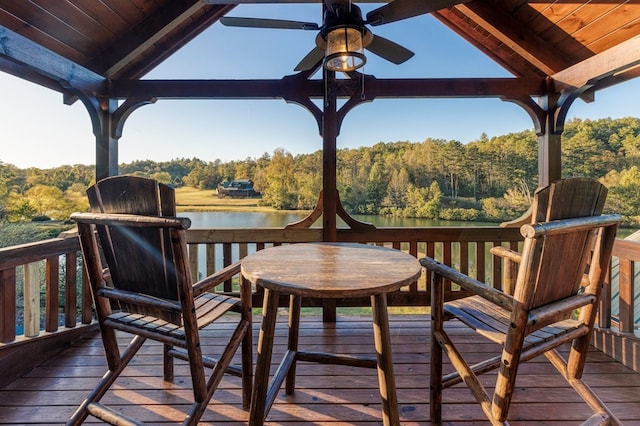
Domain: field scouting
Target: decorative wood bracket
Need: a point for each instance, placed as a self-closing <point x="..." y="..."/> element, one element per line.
<point x="310" y="219"/>
<point x="124" y="111"/>
<point x="354" y="87"/>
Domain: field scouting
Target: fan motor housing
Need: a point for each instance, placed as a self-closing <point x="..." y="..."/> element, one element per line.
<point x="343" y="15"/>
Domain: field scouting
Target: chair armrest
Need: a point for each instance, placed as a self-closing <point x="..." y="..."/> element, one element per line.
<point x="139" y="299"/>
<point x="216" y="278"/>
<point x="472" y="285"/>
<point x="506" y="253"/>
<point x="140" y="221"/>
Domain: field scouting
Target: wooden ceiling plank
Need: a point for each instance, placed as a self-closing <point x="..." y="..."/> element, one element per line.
<point x="589" y="72"/>
<point x="523" y="11"/>
<point x="630" y="30"/>
<point x="40" y="37"/>
<point x="516" y="36"/>
<point x="611" y="29"/>
<point x="102" y="15"/>
<point x="131" y="13"/>
<point x="592" y="24"/>
<point x="49" y="24"/>
<point x="549" y="16"/>
<point x="76" y="19"/>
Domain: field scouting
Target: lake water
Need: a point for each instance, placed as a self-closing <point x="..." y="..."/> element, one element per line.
<point x="278" y="219"/>
<point x="204" y="220"/>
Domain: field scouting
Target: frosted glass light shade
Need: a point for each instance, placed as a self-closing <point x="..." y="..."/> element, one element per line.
<point x="344" y="50"/>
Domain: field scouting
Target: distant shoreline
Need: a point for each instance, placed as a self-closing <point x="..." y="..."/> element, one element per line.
<point x="207" y="200"/>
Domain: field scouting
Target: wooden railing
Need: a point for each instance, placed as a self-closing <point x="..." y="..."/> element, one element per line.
<point x="467" y="249"/>
<point x="59" y="259"/>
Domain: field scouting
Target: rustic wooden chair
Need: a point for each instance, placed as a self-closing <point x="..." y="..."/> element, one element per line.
<point x="135" y="254"/>
<point x="562" y="269"/>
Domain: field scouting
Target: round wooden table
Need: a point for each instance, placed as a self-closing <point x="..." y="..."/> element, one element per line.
<point x="325" y="270"/>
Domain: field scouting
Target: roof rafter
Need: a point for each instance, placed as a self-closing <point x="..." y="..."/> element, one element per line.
<point x="144" y="38"/>
<point x="517" y="37"/>
<point x="489" y="45"/>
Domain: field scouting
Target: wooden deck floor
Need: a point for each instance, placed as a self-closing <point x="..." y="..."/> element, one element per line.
<point x="325" y="394"/>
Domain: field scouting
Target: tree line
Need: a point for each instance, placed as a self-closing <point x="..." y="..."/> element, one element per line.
<point x="488" y="179"/>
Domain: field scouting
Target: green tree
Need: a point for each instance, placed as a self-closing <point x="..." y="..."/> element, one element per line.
<point x="397" y="189"/>
<point x="45" y="200"/>
<point x="277" y="182"/>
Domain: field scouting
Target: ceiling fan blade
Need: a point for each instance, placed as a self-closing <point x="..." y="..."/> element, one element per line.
<point x="389" y="50"/>
<point x="311" y="60"/>
<point x="267" y="23"/>
<point x="403" y="9"/>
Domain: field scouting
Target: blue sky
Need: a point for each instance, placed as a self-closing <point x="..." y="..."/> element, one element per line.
<point x="38" y="130"/>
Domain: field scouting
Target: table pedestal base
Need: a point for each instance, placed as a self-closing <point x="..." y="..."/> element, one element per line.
<point x="265" y="390"/>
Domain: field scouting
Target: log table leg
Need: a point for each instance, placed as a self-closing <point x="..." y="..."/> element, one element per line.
<point x="386" y="377"/>
<point x="263" y="364"/>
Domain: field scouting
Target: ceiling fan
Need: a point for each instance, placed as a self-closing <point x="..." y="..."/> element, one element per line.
<point x="343" y="34"/>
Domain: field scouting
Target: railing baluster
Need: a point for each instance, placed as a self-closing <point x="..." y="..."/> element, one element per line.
<point x="210" y="255"/>
<point x="70" y="290"/>
<point x="464" y="257"/>
<point x="193" y="262"/>
<point x="496" y="273"/>
<point x="8" y="305"/>
<point x="87" y="299"/>
<point x="52" y="293"/>
<point x="31" y="300"/>
<point x="626" y="320"/>
<point x="226" y="261"/>
<point x="480" y="261"/>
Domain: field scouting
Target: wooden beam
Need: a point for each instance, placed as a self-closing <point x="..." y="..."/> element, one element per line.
<point x="290" y="86"/>
<point x="610" y="63"/>
<point x="36" y="59"/>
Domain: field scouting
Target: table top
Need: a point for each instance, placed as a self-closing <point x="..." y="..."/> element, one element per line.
<point x="330" y="270"/>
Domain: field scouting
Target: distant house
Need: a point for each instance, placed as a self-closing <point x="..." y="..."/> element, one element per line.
<point x="239" y="188"/>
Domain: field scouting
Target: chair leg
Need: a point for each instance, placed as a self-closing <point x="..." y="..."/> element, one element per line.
<point x="437" y="305"/>
<point x="601" y="411"/>
<point x="107" y="380"/>
<point x="167" y="361"/>
<point x="198" y="408"/>
<point x="247" y="344"/>
<point x="435" y="390"/>
<point x="295" y="304"/>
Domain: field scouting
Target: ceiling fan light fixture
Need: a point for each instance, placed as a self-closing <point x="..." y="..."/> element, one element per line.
<point x="344" y="50"/>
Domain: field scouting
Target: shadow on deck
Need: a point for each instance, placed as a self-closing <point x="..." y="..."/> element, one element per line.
<point x="325" y="394"/>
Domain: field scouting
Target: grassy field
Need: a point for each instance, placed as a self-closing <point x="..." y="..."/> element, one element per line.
<point x="202" y="200"/>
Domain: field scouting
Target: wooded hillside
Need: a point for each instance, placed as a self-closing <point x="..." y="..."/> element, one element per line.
<point x="486" y="179"/>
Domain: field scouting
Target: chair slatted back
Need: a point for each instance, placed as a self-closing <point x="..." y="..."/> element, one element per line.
<point x="568" y="198"/>
<point x="562" y="259"/>
<point x="139" y="260"/>
<point x="557" y="269"/>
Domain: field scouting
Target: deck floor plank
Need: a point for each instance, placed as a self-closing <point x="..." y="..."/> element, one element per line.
<point x="325" y="394"/>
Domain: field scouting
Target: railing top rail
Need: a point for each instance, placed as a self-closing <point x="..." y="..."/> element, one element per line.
<point x="422" y="234"/>
<point x="10" y="257"/>
<point x="627" y="249"/>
